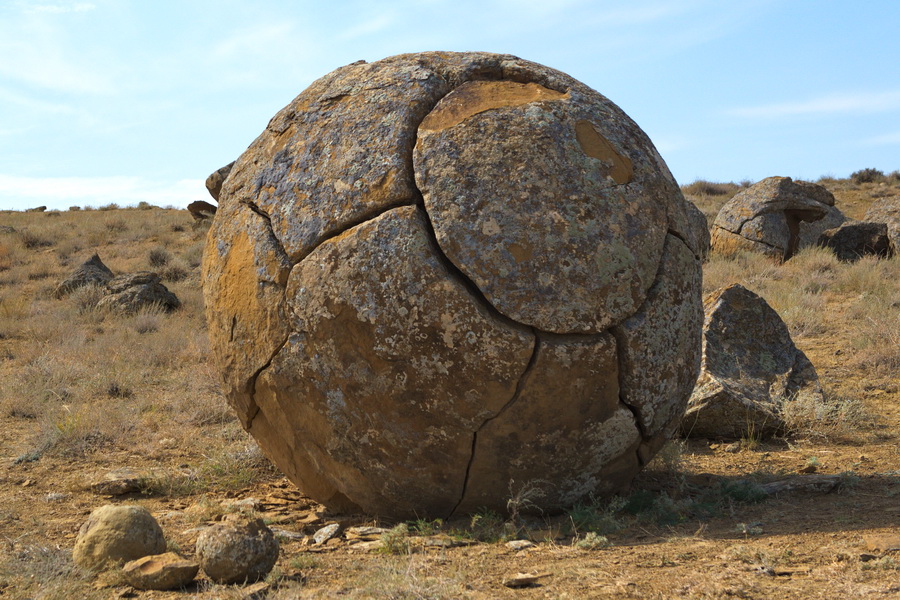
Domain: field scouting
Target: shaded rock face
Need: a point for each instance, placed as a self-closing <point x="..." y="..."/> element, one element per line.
<point x="134" y="291"/>
<point x="237" y="552"/>
<point x="855" y="239"/>
<point x="699" y="230"/>
<point x="438" y="277"/>
<point x="750" y="367"/>
<point x="216" y="179"/>
<point x="766" y="217"/>
<point x="811" y="231"/>
<point x="90" y="272"/>
<point x="887" y="210"/>
<point x="113" y="535"/>
<point x="201" y="210"/>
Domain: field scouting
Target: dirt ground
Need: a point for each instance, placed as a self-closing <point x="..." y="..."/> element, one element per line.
<point x="843" y="543"/>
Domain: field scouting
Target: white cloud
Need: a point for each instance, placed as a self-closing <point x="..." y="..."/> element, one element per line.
<point x="41" y="53"/>
<point x="830" y="104"/>
<point x="61" y="192"/>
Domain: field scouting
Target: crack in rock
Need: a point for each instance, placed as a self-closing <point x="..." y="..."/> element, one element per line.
<point x="251" y="384"/>
<point x="520" y="385"/>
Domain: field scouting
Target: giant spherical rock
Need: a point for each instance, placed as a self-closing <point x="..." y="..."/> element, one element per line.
<point x="444" y="279"/>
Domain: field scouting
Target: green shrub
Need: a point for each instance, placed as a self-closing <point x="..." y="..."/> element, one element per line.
<point x="866" y="176"/>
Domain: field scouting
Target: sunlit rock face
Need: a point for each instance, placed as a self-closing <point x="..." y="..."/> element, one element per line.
<point x="444" y="279"/>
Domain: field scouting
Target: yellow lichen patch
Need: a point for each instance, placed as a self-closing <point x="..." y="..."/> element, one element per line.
<point x="476" y="97"/>
<point x="597" y="146"/>
<point x="238" y="280"/>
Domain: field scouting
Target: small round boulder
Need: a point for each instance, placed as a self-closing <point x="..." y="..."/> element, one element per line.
<point x="444" y="279"/>
<point x="113" y="535"/>
<point x="236" y="552"/>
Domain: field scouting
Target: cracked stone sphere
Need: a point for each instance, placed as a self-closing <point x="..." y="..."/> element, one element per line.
<point x="443" y="280"/>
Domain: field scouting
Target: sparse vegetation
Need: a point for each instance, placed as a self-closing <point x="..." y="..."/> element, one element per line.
<point x="866" y="176"/>
<point x="85" y="390"/>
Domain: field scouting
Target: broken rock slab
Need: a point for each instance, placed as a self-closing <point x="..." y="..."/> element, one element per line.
<point x="131" y="292"/>
<point x="887" y="210"/>
<point x="160" y="572"/>
<point x="855" y="239"/>
<point x="750" y="368"/>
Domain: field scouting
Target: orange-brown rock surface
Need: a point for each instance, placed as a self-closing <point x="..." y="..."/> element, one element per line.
<point x="441" y="279"/>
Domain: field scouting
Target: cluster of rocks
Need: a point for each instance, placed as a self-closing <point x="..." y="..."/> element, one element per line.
<point x="126" y="293"/>
<point x="128" y="537"/>
<point x="203" y="211"/>
<point x="778" y="216"/>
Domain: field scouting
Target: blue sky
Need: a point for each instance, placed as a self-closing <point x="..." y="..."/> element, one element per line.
<point x="123" y="100"/>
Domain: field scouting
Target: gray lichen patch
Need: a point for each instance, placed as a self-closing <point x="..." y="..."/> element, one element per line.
<point x="566" y="421"/>
<point x="412" y="278"/>
<point x="363" y="381"/>
<point x="536" y="222"/>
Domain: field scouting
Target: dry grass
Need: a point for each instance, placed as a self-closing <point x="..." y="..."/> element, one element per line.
<point x="84" y="385"/>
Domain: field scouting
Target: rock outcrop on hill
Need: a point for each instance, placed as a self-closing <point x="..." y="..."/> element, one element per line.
<point x="441" y="276"/>
<point x="200" y="210"/>
<point x="855" y="239"/>
<point x="90" y="272"/>
<point x="766" y="217"/>
<point x="131" y="292"/>
<point x="750" y="368"/>
<point x="887" y="210"/>
<point x="216" y="179"/>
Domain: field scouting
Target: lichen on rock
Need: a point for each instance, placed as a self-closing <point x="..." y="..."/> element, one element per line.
<point x="418" y="279"/>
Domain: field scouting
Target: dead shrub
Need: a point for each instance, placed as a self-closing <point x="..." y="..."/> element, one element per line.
<point x="32" y="240"/>
<point x="159" y="257"/>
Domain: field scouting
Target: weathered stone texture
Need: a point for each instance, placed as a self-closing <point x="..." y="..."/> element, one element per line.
<point x="412" y="278"/>
<point x="131" y="292"/>
<point x="90" y="272"/>
<point x="113" y="535"/>
<point x="766" y="217"/>
<point x="750" y="368"/>
<point x="887" y="210"/>
<point x="855" y="239"/>
<point x="237" y="552"/>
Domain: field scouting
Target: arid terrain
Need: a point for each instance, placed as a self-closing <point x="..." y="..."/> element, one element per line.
<point x="84" y="391"/>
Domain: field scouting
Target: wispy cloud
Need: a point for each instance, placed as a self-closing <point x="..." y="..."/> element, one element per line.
<point x="830" y="104"/>
<point x="369" y="27"/>
<point x="42" y="53"/>
<point x="58" y="7"/>
<point x="887" y="139"/>
<point x="253" y="40"/>
<point x="61" y="192"/>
